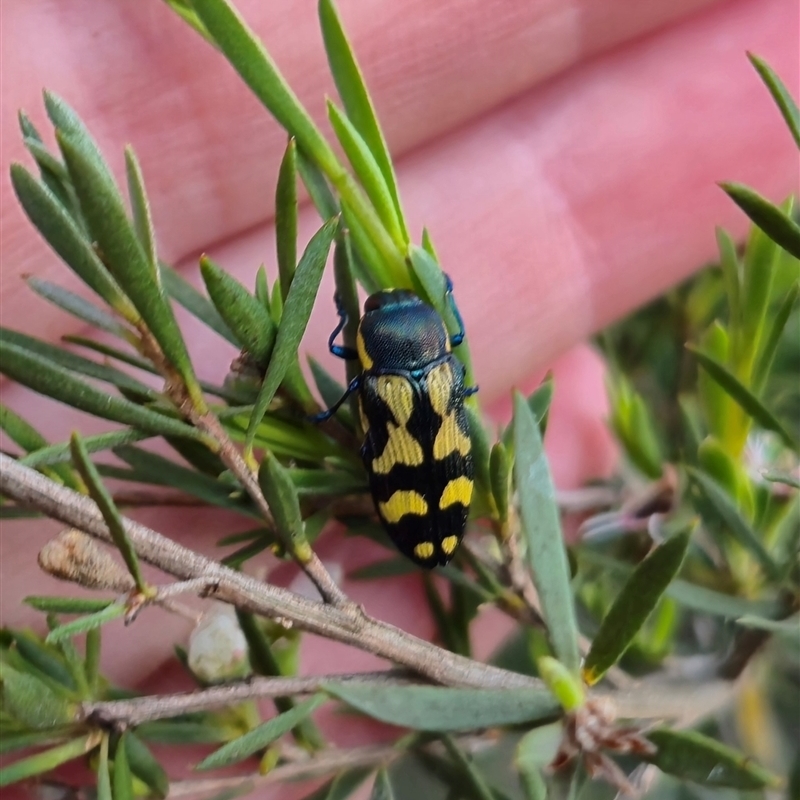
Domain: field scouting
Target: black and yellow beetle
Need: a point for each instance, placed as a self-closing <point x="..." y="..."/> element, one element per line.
<point x="416" y="450"/>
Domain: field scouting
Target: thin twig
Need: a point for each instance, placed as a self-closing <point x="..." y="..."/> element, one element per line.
<point x="322" y="764"/>
<point x="135" y="711"/>
<point x="33" y="489"/>
<point x="233" y="460"/>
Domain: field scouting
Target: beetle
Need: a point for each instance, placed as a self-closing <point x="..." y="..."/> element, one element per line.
<point x="417" y="449"/>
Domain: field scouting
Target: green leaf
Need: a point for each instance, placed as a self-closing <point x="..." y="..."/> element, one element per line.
<point x="728" y="514"/>
<point x="45" y="377"/>
<point x="541" y="527"/>
<point x="788" y="628"/>
<point x="143" y="765"/>
<point x="355" y="97"/>
<point x="140" y="206"/>
<point x="105" y="214"/>
<point x="776" y="327"/>
<point x="107" y="507"/>
<point x="64" y="235"/>
<point x="20" y="431"/>
<point x="84" y="366"/>
<point x="242" y="312"/>
<point x="31" y="701"/>
<point x="11" y="741"/>
<point x="500" y="472"/>
<point x="782" y="477"/>
<point x="565" y="686"/>
<point x="280" y="494"/>
<point x="749" y="403"/>
<point x="47" y="660"/>
<point x="91" y="661"/>
<point x="434" y="708"/>
<point x="481" y="453"/>
<point x="317" y="186"/>
<point x="367" y="171"/>
<point x="258" y="738"/>
<point x="46" y="761"/>
<point x="342" y="786"/>
<point x="296" y="312"/>
<point x="329" y="388"/>
<point x="535" y="752"/>
<point x="382" y="788"/>
<point x="780" y="94"/>
<point x="123" y="779"/>
<point x="184" y="294"/>
<point x="691" y="756"/>
<point x="286" y="217"/>
<point x="472" y="777"/>
<point x="387" y="568"/>
<point x="633" y="605"/>
<point x="56" y="454"/>
<point x="152" y="468"/>
<point x="732" y="271"/>
<point x="103" y="775"/>
<point x="66" y="605"/>
<point x="83" y="624"/>
<point x="80" y="308"/>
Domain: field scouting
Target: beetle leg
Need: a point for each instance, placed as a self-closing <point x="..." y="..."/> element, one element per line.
<point x="457" y="338"/>
<point x="468" y="390"/>
<point x="337" y="349"/>
<point x="327" y="414"/>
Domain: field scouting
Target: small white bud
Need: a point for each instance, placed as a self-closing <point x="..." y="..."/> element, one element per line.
<point x="217" y="646"/>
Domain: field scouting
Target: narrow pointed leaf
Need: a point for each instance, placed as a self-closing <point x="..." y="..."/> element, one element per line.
<point x="541" y="527"/>
<point x="105" y="214"/>
<point x="82" y="309"/>
<point x="286" y="218"/>
<point x="107" y="507"/>
<point x="382" y="788"/>
<point x="45" y="761"/>
<point x="184" y="294"/>
<point x="743" y="396"/>
<point x="788" y="628"/>
<point x="773" y="338"/>
<point x="123" y="779"/>
<point x="500" y="471"/>
<point x="56" y="454"/>
<point x="157" y="470"/>
<point x="31" y="701"/>
<point x="535" y="751"/>
<point x="783" y="477"/>
<point x="355" y="97"/>
<point x="140" y="206"/>
<point x="280" y="493"/>
<point x="731" y="270"/>
<point x="780" y="94"/>
<point x="317" y="186"/>
<point x="85" y="624"/>
<point x="296" y="312"/>
<point x="367" y="171"/>
<point x="103" y="774"/>
<point x="258" y="738"/>
<point x="691" y="756"/>
<point x="65" y="237"/>
<point x="329" y="388"/>
<point x="434" y="708"/>
<point x="66" y="605"/>
<point x="54" y="176"/>
<point x="371" y="269"/>
<point x="730" y="517"/>
<point x="47" y="378"/>
<point x="20" y="431"/>
<point x="469" y="773"/>
<point x="633" y="605"/>
<point x="775" y="222"/>
<point x="75" y="363"/>
<point x="143" y="765"/>
<point x="242" y="312"/>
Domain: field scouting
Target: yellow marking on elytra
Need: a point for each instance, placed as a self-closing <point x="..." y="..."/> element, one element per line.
<point x="449" y="543"/>
<point x="397" y="393"/>
<point x="450" y="439"/>
<point x="424" y="549"/>
<point x="459" y="490"/>
<point x="440" y="388"/>
<point x="402" y="447"/>
<point x="362" y="416"/>
<point x="363" y="355"/>
<point x="401" y="503"/>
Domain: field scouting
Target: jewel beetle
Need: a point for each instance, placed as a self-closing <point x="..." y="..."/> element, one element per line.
<point x="417" y="449"/>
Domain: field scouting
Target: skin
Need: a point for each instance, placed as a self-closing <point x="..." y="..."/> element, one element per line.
<point x="564" y="156"/>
